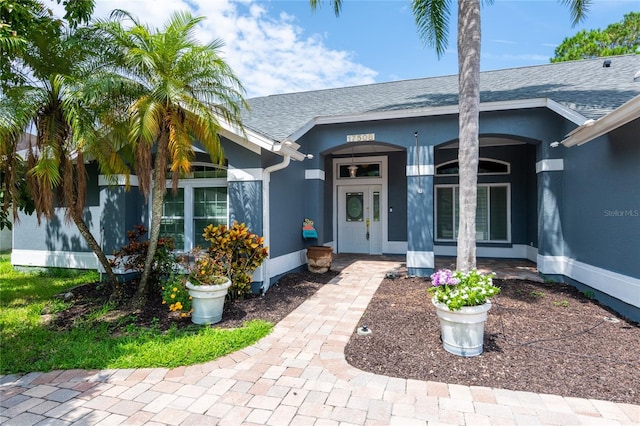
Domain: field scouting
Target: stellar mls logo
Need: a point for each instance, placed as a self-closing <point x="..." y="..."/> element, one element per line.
<point x="622" y="213"/>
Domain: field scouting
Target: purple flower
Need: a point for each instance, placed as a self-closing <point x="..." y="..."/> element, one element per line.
<point x="443" y="277"/>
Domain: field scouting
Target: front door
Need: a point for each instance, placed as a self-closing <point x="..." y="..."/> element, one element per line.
<point x="359" y="224"/>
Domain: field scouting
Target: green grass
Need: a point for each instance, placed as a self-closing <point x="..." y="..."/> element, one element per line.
<point x="28" y="345"/>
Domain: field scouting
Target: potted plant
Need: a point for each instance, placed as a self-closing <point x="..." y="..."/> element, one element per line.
<point x="462" y="302"/>
<point x="208" y="284"/>
<point x="238" y="253"/>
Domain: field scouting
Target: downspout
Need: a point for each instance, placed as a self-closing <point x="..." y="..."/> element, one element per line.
<point x="266" y="179"/>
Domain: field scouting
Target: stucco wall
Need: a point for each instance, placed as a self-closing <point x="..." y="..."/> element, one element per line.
<point x="287" y="209"/>
<point x="601" y="201"/>
<point x="57" y="234"/>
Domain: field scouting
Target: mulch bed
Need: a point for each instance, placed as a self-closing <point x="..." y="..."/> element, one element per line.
<point x="543" y="338"/>
<point x="283" y="297"/>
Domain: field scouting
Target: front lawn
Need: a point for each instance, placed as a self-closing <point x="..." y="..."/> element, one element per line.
<point x="103" y="338"/>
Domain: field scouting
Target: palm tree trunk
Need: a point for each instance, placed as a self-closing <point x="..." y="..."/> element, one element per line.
<point x="95" y="247"/>
<point x="469" y="102"/>
<point x="157" y="197"/>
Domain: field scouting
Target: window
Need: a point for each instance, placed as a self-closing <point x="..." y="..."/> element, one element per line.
<point x="485" y="167"/>
<point x="355" y="211"/>
<point x="376" y="206"/>
<point x="172" y="223"/>
<point x="201" y="200"/>
<point x="209" y="208"/>
<point x="492" y="213"/>
<point x="362" y="170"/>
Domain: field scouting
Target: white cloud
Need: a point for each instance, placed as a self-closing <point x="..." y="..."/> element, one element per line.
<point x="266" y="48"/>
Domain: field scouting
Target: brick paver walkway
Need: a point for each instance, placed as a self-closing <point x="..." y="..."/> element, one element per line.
<point x="295" y="376"/>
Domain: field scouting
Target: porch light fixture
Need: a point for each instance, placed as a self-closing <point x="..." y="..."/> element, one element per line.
<point x="352" y="168"/>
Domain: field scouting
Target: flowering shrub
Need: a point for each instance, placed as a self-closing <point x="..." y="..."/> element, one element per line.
<point x="208" y="270"/>
<point x="176" y="296"/>
<point x="133" y="255"/>
<point x="240" y="251"/>
<point x="457" y="289"/>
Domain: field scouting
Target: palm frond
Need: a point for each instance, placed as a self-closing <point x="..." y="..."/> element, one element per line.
<point x="337" y="5"/>
<point x="578" y="9"/>
<point x="432" y="20"/>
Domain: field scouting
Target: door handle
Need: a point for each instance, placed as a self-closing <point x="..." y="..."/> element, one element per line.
<point x="368" y="222"/>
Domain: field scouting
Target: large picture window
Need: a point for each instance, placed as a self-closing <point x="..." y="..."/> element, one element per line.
<point x="492" y="213"/>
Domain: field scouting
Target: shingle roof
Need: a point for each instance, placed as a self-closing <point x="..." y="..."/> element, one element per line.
<point x="584" y="86"/>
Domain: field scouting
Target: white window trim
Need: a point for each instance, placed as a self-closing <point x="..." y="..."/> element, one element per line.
<point x="488" y="185"/>
<point x="492" y="160"/>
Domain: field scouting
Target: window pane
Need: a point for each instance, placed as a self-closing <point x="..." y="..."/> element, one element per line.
<point x="482" y="214"/>
<point x="363" y="170"/>
<point x="487" y="167"/>
<point x="355" y="211"/>
<point x="173" y="205"/>
<point x="209" y="208"/>
<point x="198" y="228"/>
<point x="499" y="213"/>
<point x="444" y="200"/>
<point x="376" y="206"/>
<point x="448" y="169"/>
<point x="172" y="222"/>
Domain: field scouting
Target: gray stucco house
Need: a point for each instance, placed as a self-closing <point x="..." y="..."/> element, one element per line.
<point x="375" y="168"/>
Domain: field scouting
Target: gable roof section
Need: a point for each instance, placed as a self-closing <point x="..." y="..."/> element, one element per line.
<point x="578" y="90"/>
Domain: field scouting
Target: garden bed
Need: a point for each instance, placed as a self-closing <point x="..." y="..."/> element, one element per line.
<point x="543" y="338"/>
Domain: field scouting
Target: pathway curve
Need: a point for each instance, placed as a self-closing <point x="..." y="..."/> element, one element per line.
<point x="295" y="376"/>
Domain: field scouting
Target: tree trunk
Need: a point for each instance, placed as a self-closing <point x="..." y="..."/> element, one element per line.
<point x="95" y="247"/>
<point x="157" y="197"/>
<point x="469" y="103"/>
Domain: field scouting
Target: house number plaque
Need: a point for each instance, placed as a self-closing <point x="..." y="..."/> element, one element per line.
<point x="365" y="137"/>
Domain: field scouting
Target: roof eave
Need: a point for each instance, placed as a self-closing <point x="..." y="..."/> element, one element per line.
<point x="255" y="141"/>
<point x="558" y="108"/>
<point x="592" y="129"/>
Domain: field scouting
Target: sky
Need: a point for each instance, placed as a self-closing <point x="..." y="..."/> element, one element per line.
<point x="281" y="46"/>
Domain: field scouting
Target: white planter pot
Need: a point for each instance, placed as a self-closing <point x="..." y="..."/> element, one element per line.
<point x="462" y="331"/>
<point x="207" y="302"/>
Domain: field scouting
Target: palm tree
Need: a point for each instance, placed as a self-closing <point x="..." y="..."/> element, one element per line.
<point x="58" y="102"/>
<point x="185" y="89"/>
<point x="432" y="21"/>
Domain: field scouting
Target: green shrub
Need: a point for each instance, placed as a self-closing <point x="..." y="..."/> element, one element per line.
<point x="133" y="255"/>
<point x="240" y="252"/>
<point x="176" y="296"/>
